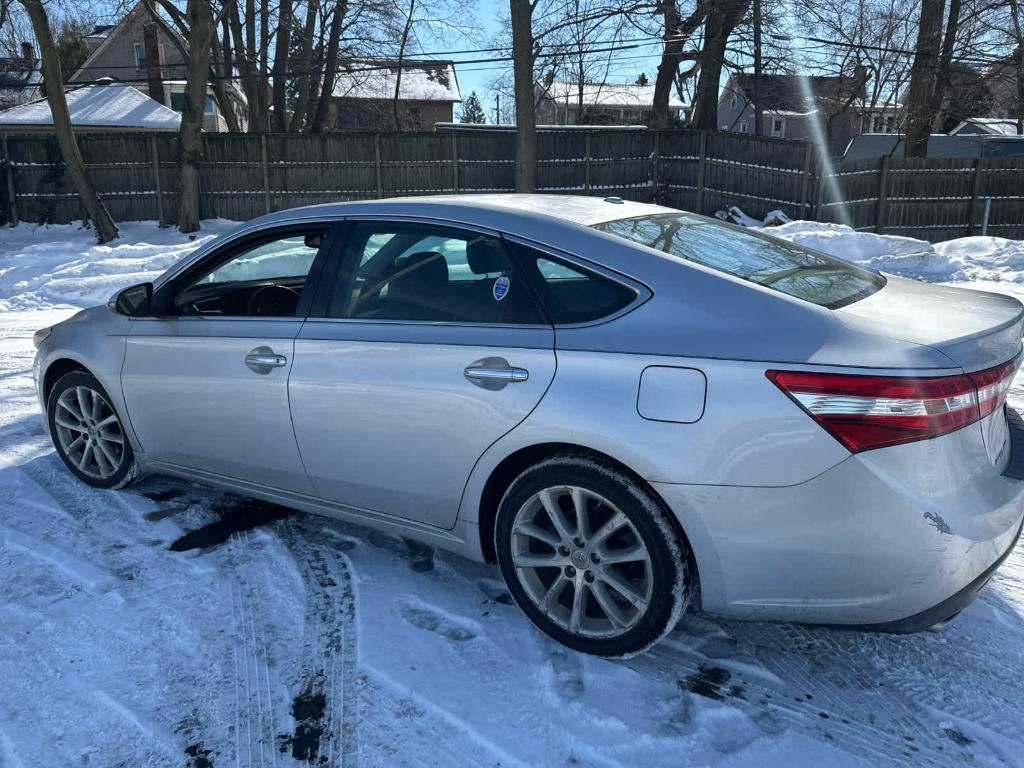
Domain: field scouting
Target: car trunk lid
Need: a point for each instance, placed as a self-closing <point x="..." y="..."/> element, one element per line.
<point x="974" y="329"/>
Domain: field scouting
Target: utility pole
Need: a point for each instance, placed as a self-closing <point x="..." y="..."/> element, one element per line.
<point x="758" y="108"/>
<point x="497" y="108"/>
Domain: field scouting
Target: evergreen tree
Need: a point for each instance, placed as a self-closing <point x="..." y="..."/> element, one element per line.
<point x="472" y="112"/>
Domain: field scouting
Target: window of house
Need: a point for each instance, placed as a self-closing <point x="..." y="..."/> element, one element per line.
<point x="732" y="101"/>
<point x="178" y="102"/>
<point x="778" y="126"/>
<point x="743" y="126"/>
<point x="140" y="56"/>
<point x="429" y="273"/>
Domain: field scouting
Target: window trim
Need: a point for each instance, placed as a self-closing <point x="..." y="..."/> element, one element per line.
<point x="642" y="292"/>
<point x="343" y="269"/>
<point x="163" y="296"/>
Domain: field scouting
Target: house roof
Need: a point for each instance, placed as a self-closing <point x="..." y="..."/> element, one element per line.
<point x="995" y="126"/>
<point x="790" y="93"/>
<point x="375" y="79"/>
<point x="628" y="95"/>
<point x="100" y="106"/>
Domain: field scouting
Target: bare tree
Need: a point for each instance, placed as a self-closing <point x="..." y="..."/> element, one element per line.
<point x="723" y="16"/>
<point x="523" y="59"/>
<point x="106" y="230"/>
<point x="190" y="137"/>
<point x="929" y="74"/>
<point x="678" y="33"/>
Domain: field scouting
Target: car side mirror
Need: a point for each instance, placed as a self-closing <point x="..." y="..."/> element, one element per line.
<point x="133" y="301"/>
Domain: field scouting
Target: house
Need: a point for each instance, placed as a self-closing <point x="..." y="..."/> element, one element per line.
<point x="19" y="77"/>
<point x="106" y="107"/>
<point x="799" y="106"/>
<point x="118" y="52"/>
<point x="872" y="146"/>
<point x="986" y="126"/>
<point x="364" y="92"/>
<point x="562" y="102"/>
<point x="1001" y="79"/>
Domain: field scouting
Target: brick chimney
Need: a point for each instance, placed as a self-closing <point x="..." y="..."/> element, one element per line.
<point x="28" y="53"/>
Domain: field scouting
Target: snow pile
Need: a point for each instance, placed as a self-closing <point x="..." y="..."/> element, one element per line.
<point x="42" y="267"/>
<point x="966" y="259"/>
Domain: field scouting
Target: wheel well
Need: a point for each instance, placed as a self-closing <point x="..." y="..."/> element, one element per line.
<point x="515" y="464"/>
<point x="55" y="370"/>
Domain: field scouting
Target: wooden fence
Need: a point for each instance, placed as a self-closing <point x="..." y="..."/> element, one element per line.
<point x="244" y="175"/>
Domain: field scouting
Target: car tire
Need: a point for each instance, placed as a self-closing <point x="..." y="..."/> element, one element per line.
<point x="614" y="586"/>
<point x="88" y="433"/>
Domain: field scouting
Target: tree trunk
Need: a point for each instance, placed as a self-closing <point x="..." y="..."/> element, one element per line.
<point x="676" y="36"/>
<point x="526" y="111"/>
<point x="323" y="106"/>
<point x="1018" y="63"/>
<point x="281" y="62"/>
<point x="154" y="77"/>
<point x="190" y="136"/>
<point x="106" y="230"/>
<point x="923" y="74"/>
<point x="305" y="63"/>
<point x="722" y="18"/>
<point x="406" y="30"/>
<point x="221" y="83"/>
<point x="758" y="101"/>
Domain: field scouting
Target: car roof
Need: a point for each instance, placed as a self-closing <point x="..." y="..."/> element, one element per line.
<point x="577" y="209"/>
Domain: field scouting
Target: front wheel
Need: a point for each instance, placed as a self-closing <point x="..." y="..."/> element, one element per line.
<point x="588" y="555"/>
<point x="88" y="433"/>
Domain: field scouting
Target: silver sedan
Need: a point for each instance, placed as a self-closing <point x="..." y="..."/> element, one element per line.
<point x="630" y="408"/>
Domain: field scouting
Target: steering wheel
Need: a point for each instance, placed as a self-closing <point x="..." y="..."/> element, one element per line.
<point x="273" y="301"/>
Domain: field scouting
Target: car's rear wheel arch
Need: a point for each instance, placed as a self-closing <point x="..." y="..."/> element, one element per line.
<point x="513" y="465"/>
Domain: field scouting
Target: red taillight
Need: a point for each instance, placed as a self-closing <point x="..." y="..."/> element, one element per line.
<point x="865" y="412"/>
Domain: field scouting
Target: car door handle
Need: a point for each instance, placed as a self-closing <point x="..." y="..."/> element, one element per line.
<point x="262" y="359"/>
<point x="480" y="373"/>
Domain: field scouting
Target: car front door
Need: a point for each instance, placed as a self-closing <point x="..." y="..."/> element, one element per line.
<point x="206" y="378"/>
<point x="428" y="348"/>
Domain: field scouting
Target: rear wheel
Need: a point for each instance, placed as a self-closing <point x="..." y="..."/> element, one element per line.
<point x="88" y="433"/>
<point x="589" y="556"/>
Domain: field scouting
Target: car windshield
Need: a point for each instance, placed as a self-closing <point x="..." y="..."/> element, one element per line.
<point x="775" y="264"/>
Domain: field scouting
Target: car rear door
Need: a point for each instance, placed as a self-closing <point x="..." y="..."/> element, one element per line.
<point x="207" y="384"/>
<point x="428" y="347"/>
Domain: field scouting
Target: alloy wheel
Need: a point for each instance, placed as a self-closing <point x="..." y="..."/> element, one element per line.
<point x="89" y="433"/>
<point x="581" y="562"/>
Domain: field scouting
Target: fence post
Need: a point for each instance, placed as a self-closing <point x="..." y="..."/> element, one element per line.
<point x="266" y="172"/>
<point x="586" y="163"/>
<point x="700" y="171"/>
<point x="656" y="167"/>
<point x="376" y="152"/>
<point x="155" y="152"/>
<point x="455" y="161"/>
<point x="9" y="173"/>
<point x="882" y="209"/>
<point x="805" y="188"/>
<point x="972" y="214"/>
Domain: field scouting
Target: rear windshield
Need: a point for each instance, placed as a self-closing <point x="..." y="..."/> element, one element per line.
<point x="775" y="264"/>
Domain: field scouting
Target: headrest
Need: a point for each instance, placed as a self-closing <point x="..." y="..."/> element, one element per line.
<point x="426" y="269"/>
<point x="486" y="255"/>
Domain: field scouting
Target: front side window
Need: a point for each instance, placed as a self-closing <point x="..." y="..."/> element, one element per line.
<point x="261" y="279"/>
<point x="775" y="264"/>
<point x="427" y="273"/>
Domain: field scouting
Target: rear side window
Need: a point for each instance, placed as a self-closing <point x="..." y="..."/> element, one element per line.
<point x="430" y="273"/>
<point x="572" y="294"/>
<point x="775" y="264"/>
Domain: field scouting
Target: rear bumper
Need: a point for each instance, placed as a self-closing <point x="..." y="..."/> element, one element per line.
<point x="896" y="539"/>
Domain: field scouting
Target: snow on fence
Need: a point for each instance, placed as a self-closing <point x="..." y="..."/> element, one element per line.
<point x="245" y="175"/>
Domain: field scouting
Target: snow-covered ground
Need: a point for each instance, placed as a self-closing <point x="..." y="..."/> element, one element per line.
<point x="174" y="625"/>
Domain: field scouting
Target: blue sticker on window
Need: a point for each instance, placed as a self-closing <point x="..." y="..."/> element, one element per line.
<point x="500" y="289"/>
